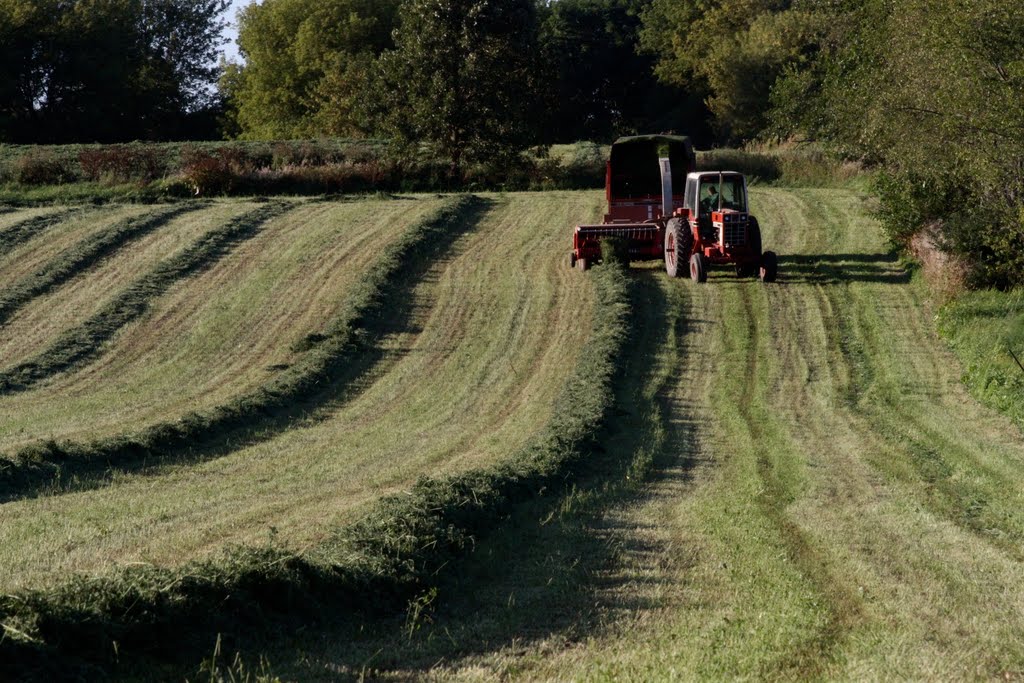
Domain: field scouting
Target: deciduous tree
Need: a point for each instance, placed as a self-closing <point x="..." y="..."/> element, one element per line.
<point x="462" y="77"/>
<point x="307" y="63"/>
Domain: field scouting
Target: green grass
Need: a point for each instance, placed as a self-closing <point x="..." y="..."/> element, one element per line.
<point x="27" y="228"/>
<point x="986" y="330"/>
<point x="80" y="344"/>
<point x="81" y="256"/>
<point x="316" y="367"/>
<point x="491" y="330"/>
<point x="792" y="483"/>
<point x="400" y="547"/>
<point x="827" y="501"/>
<point x="43" y="318"/>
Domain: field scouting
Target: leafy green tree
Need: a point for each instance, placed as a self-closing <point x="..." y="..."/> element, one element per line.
<point x="307" y="63"/>
<point x="730" y="52"/>
<point x="932" y="91"/>
<point x="105" y="69"/>
<point x="462" y="77"/>
<point x="600" y="85"/>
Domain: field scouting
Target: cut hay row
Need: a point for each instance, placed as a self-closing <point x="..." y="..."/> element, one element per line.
<point x="84" y="255"/>
<point x="325" y="358"/>
<point x="39" y="322"/>
<point x="402" y="547"/>
<point x="24" y="230"/>
<point x="220" y="334"/>
<point x="34" y="255"/>
<point x="84" y="342"/>
<point x="842" y="509"/>
<point x="495" y="332"/>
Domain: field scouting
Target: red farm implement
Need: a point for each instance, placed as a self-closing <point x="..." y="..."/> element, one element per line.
<point x="706" y="224"/>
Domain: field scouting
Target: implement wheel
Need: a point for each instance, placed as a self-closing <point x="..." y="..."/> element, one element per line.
<point x="678" y="245"/>
<point x="572" y="259"/>
<point x="582" y="264"/>
<point x="698" y="268"/>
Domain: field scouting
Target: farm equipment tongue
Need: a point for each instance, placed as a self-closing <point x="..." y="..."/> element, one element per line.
<point x="706" y="224"/>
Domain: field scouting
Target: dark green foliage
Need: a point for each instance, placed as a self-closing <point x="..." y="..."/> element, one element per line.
<point x="83" y="343"/>
<point x="329" y="359"/>
<point x="113" y="70"/>
<point x="83" y="255"/>
<point x="460" y="79"/>
<point x="598" y="86"/>
<point x="730" y="52"/>
<point x="401" y="549"/>
<point x="949" y="138"/>
<point x="42" y="168"/>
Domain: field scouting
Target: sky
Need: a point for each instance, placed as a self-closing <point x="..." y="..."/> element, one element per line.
<point x="231" y="32"/>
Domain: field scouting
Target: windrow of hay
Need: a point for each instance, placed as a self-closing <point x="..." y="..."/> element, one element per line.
<point x="399" y="550"/>
<point x="27" y="229"/>
<point x="86" y="254"/>
<point x="328" y="359"/>
<point x="85" y="341"/>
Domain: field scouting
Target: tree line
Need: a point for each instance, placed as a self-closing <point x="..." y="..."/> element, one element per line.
<point x="930" y="93"/>
<point x="108" y="70"/>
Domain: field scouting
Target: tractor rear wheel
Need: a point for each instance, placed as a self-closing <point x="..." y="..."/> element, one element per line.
<point x="754" y="236"/>
<point x="769" y="266"/>
<point x="698" y="268"/>
<point x="678" y="245"/>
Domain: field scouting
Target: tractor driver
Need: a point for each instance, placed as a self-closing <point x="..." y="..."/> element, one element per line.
<point x="710" y="202"/>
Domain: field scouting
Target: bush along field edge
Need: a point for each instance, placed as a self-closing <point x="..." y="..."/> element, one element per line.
<point x="329" y="360"/>
<point x="402" y="548"/>
<point x="84" y="255"/>
<point x="84" y="342"/>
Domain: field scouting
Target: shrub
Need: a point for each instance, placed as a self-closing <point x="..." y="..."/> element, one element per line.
<point x="42" y="168"/>
<point x="122" y="163"/>
<point x="217" y="172"/>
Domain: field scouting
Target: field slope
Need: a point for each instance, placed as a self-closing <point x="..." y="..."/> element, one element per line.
<point x="827" y="500"/>
<point x="466" y="380"/>
<point x="794" y="483"/>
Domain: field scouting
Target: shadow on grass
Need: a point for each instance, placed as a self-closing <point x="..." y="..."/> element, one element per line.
<point x="830" y="269"/>
<point x="550" y="574"/>
<point x="54" y="468"/>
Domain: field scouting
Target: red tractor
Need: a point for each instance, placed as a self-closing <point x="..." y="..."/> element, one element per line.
<point x="706" y="224"/>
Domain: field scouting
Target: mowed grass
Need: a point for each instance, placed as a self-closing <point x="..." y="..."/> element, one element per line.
<point x="32" y="255"/>
<point x="219" y="333"/>
<point x="829" y="502"/>
<point x="38" y="323"/>
<point x="494" y="330"/>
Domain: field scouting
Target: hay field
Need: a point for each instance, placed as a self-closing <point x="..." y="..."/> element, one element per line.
<point x="471" y="374"/>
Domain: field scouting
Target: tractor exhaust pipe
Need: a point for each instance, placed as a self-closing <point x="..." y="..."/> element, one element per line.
<point x="666" y="187"/>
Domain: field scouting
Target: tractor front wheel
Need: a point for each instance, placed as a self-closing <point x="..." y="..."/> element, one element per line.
<point x="678" y="245"/>
<point x="769" y="266"/>
<point x="698" y="268"/>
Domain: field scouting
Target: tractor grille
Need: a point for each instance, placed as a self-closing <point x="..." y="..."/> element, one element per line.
<point x="734" y="230"/>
